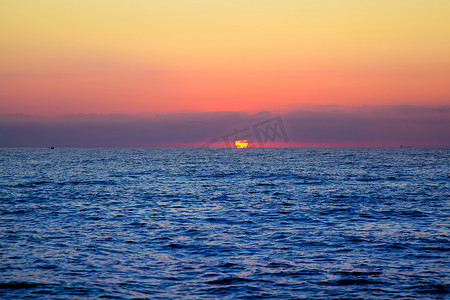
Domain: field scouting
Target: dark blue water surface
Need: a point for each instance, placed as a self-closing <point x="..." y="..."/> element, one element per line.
<point x="225" y="223"/>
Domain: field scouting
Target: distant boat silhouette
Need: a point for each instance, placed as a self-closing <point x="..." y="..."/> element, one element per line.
<point x="51" y="147"/>
<point x="402" y="146"/>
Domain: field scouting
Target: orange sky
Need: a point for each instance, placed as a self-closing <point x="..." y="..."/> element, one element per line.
<point x="145" y="57"/>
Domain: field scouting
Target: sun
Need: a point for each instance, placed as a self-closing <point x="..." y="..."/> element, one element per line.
<point x="241" y="144"/>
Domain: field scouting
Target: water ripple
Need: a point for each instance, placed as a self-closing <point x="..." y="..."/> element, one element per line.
<point x="217" y="223"/>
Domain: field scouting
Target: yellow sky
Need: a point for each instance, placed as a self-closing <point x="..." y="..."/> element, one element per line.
<point x="228" y="41"/>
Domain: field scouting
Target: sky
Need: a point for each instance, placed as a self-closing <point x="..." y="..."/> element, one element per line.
<point x="149" y="58"/>
<point x="382" y="126"/>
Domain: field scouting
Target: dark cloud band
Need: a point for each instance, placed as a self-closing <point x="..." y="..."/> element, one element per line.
<point x="320" y="126"/>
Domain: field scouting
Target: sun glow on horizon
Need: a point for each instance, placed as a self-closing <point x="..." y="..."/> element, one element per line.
<point x="241" y="144"/>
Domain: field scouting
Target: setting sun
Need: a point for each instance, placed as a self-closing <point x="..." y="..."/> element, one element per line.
<point x="241" y="144"/>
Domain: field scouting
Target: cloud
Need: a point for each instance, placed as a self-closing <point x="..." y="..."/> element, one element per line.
<point x="371" y="126"/>
<point x="318" y="126"/>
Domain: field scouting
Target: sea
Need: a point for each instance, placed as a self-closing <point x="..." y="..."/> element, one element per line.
<point x="210" y="223"/>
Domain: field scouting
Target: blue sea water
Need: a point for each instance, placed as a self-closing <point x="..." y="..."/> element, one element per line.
<point x="350" y="223"/>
